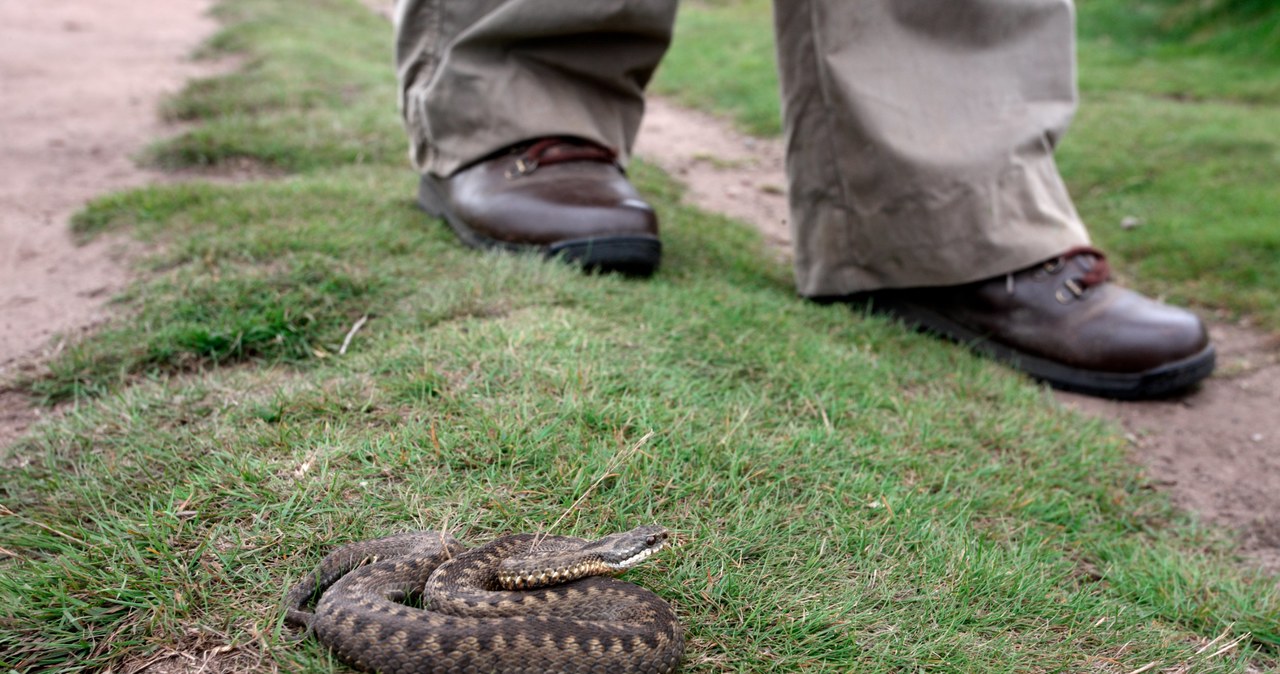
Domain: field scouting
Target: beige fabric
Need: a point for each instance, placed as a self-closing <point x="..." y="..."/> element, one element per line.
<point x="920" y="133"/>
<point x="479" y="75"/>
<point x="920" y="138"/>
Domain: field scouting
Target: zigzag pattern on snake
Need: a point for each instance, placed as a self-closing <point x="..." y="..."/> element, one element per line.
<point x="473" y="620"/>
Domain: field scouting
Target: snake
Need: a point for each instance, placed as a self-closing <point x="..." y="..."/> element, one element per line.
<point x="421" y="603"/>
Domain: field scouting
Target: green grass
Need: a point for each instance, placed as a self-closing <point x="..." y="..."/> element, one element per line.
<point x="722" y="60"/>
<point x="850" y="497"/>
<point x="1245" y="28"/>
<point x="1177" y="128"/>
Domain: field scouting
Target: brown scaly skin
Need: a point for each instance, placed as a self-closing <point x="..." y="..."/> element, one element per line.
<point x="593" y="624"/>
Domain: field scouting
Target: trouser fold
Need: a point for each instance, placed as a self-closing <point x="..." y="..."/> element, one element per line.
<point x="919" y="133"/>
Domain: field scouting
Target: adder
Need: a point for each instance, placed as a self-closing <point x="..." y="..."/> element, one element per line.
<point x="521" y="603"/>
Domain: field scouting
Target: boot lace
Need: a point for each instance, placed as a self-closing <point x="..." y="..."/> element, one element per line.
<point x="1096" y="272"/>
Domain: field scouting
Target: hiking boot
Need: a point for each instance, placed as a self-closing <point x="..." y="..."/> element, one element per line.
<point x="1062" y="322"/>
<point x="561" y="197"/>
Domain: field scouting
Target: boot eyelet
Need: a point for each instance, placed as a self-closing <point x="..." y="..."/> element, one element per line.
<point x="1070" y="290"/>
<point x="522" y="168"/>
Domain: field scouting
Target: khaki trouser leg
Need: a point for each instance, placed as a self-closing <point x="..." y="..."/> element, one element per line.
<point x="920" y="138"/>
<point x="479" y="75"/>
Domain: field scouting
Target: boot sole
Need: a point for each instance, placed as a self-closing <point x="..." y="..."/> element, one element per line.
<point x="630" y="255"/>
<point x="1159" y="382"/>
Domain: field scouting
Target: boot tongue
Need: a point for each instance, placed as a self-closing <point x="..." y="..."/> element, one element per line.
<point x="550" y="151"/>
<point x="1096" y="268"/>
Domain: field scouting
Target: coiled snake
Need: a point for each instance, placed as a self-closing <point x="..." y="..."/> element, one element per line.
<point x="521" y="603"/>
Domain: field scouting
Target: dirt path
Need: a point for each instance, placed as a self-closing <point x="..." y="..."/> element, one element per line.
<point x="81" y="84"/>
<point x="67" y="133"/>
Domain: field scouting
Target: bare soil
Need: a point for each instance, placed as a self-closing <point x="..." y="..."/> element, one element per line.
<point x="70" y="132"/>
<point x="81" y="82"/>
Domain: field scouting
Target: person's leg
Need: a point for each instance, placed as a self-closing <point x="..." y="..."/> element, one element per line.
<point x="480" y="75"/>
<point x="520" y="115"/>
<point x="920" y="137"/>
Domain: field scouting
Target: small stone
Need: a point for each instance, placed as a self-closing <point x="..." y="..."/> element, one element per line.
<point x="1129" y="222"/>
<point x="1257" y="437"/>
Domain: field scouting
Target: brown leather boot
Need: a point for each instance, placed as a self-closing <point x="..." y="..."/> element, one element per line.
<point x="1063" y="323"/>
<point x="561" y="197"/>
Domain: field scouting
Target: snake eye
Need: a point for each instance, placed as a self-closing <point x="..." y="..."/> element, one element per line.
<point x="652" y="540"/>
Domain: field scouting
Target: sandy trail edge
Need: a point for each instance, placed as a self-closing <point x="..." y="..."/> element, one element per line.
<point x="1215" y="451"/>
<point x="81" y="85"/>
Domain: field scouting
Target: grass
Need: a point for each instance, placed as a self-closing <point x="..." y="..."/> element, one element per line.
<point x="723" y="60"/>
<point x="1246" y="28"/>
<point x="850" y="497"/>
<point x="1177" y="130"/>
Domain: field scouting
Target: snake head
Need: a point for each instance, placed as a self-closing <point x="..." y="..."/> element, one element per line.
<point x="624" y="550"/>
<point x="560" y="560"/>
